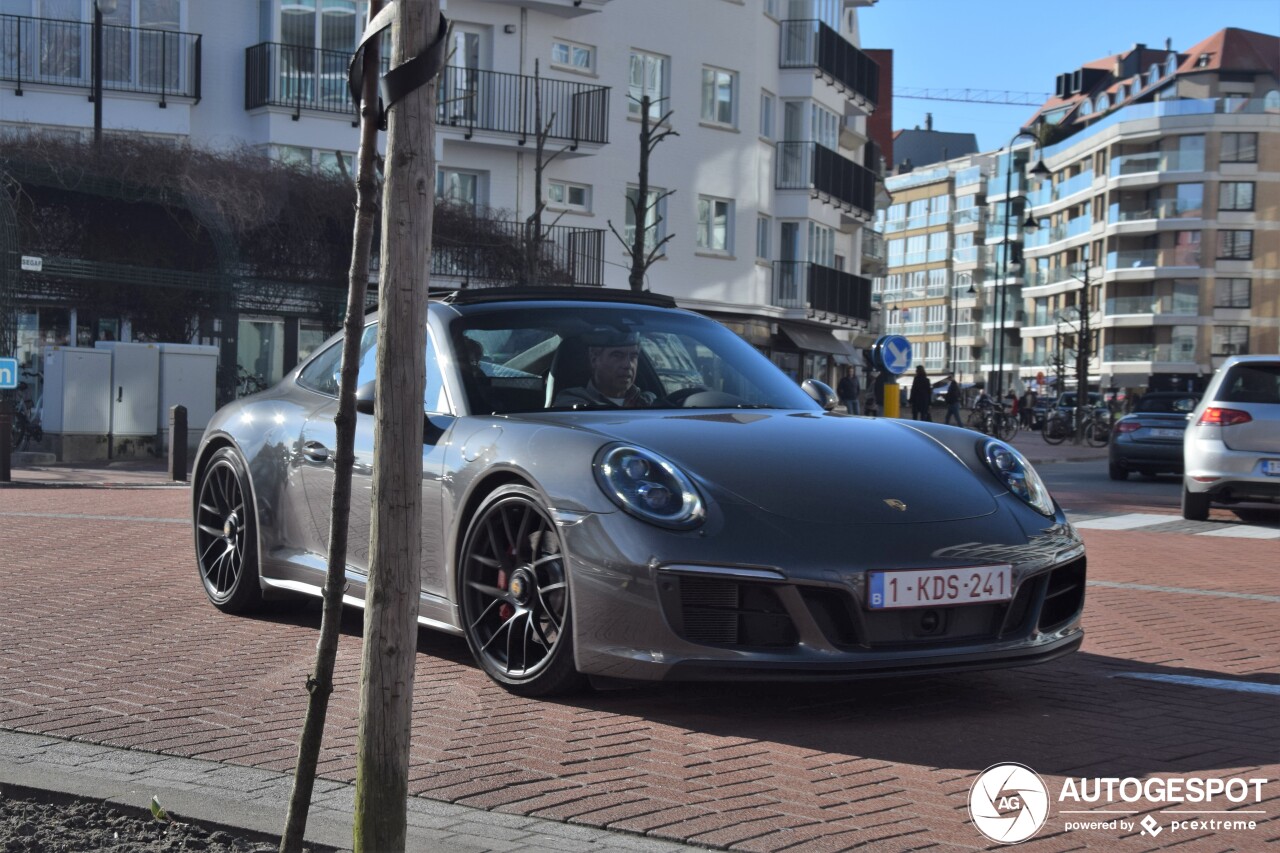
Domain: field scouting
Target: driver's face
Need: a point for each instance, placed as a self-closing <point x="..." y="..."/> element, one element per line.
<point x="613" y="369"/>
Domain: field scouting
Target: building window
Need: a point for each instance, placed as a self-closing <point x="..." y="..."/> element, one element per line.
<point x="718" y="96"/>
<point x="1235" y="245"/>
<point x="766" y="114"/>
<point x="1230" y="340"/>
<point x="648" y="78"/>
<point x="655" y="217"/>
<point x="715" y="224"/>
<point x="764" y="227"/>
<point x="460" y="187"/>
<point x="825" y="127"/>
<point x="567" y="196"/>
<point x="1239" y="148"/>
<point x="822" y="245"/>
<point x="917" y="249"/>
<point x="1235" y="195"/>
<point x="1231" y="293"/>
<point x="568" y="54"/>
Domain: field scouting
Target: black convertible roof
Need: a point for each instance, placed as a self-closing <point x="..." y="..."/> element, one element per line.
<point x="558" y="293"/>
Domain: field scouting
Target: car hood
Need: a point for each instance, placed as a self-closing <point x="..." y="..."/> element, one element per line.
<point x="805" y="466"/>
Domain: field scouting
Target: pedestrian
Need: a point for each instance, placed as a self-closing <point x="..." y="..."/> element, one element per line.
<point x="1026" y="407"/>
<point x="848" y="390"/>
<point x="952" y="399"/>
<point x="873" y="406"/>
<point x="877" y="393"/>
<point x="921" y="391"/>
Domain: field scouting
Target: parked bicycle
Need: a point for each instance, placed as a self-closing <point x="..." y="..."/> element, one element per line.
<point x="1095" y="428"/>
<point x="995" y="421"/>
<point x="26" y="427"/>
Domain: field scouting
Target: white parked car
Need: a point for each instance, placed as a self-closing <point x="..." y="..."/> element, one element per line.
<point x="1231" y="450"/>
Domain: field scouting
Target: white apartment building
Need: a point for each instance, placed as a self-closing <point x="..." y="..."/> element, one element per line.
<point x="773" y="174"/>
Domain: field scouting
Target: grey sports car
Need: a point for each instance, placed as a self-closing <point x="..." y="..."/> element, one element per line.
<point x="618" y="489"/>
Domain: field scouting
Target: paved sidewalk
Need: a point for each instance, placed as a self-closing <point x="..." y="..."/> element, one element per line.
<point x="250" y="798"/>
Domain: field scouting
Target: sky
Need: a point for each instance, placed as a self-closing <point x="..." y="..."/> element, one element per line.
<point x="1023" y="45"/>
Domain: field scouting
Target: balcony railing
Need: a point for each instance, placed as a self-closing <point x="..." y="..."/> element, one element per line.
<point x="965" y="255"/>
<point x="814" y="167"/>
<point x="308" y="78"/>
<point x="1181" y="303"/>
<point x="50" y="52"/>
<point x="813" y="44"/>
<point x="1176" y="352"/>
<point x="1178" y="256"/>
<point x="1157" y="161"/>
<point x="798" y="284"/>
<point x="503" y="254"/>
<point x="1166" y="208"/>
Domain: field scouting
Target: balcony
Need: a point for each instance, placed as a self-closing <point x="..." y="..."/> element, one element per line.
<point x="1169" y="208"/>
<point x="1157" y="161"/>
<point x="819" y="289"/>
<point x="308" y="78"/>
<point x="1187" y="304"/>
<point x="502" y="256"/>
<point x="1177" y="256"/>
<point x="1176" y="352"/>
<point x="830" y="177"/>
<point x="559" y="8"/>
<point x="48" y="52"/>
<point x="965" y="255"/>
<point x="813" y="44"/>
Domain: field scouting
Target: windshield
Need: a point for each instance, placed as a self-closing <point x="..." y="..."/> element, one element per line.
<point x="563" y="357"/>
<point x="1165" y="404"/>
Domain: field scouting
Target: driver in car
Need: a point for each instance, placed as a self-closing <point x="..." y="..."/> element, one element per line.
<point x="613" y="355"/>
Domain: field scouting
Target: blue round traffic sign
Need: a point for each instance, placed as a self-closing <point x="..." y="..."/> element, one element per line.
<point x="892" y="354"/>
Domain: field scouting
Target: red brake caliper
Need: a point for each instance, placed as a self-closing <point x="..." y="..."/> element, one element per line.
<point x="505" y="610"/>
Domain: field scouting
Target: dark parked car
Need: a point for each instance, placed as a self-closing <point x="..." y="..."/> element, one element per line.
<point x="709" y="521"/>
<point x="1149" y="439"/>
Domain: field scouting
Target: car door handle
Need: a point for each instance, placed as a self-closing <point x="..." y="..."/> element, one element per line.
<point x="315" y="451"/>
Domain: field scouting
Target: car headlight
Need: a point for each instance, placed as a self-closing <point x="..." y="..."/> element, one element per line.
<point x="649" y="487"/>
<point x="1017" y="475"/>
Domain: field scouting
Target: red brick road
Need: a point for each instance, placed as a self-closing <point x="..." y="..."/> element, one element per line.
<point x="106" y="636"/>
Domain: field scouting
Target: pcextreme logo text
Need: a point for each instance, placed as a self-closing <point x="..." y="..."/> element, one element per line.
<point x="1010" y="803"/>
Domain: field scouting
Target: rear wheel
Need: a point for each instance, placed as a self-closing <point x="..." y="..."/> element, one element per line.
<point x="1097" y="434"/>
<point x="1055" y="431"/>
<point x="227" y="535"/>
<point x="1195" y="505"/>
<point x="1007" y="426"/>
<point x="1117" y="472"/>
<point x="514" y="592"/>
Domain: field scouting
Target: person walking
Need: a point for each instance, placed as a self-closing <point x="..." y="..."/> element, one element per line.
<point x="1026" y="407"/>
<point x="848" y="389"/>
<point x="920" y="394"/>
<point x="952" y="400"/>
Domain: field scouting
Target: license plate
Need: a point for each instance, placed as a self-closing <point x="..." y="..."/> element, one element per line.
<point x="1271" y="467"/>
<point x="1157" y="432"/>
<point x="939" y="587"/>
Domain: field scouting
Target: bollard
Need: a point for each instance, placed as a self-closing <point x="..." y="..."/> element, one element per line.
<point x="6" y="439"/>
<point x="178" y="443"/>
<point x="892" y="401"/>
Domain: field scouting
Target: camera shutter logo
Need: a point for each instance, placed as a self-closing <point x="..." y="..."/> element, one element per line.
<point x="1008" y="803"/>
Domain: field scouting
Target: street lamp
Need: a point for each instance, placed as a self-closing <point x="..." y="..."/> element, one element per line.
<point x="1040" y="171"/>
<point x="100" y="7"/>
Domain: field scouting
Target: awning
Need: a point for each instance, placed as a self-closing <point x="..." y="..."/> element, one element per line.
<point x="814" y="339"/>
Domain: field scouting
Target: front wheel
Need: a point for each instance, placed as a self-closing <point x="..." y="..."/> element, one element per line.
<point x="1055" y="431"/>
<point x="1097" y="434"/>
<point x="1007" y="427"/>
<point x="514" y="594"/>
<point x="227" y="535"/>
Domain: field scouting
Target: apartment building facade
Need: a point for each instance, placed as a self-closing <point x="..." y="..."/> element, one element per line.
<point x="773" y="174"/>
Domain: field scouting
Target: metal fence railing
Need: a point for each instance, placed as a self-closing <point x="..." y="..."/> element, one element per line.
<point x="800" y="284"/>
<point x="812" y="166"/>
<point x="498" y="253"/>
<point x="49" y="52"/>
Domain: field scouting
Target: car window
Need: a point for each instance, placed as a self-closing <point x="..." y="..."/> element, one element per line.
<point x="1154" y="404"/>
<point x="324" y="372"/>
<point x="520" y="360"/>
<point x="1251" y="383"/>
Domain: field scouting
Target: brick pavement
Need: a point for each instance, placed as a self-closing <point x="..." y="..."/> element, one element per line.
<point x="107" y="639"/>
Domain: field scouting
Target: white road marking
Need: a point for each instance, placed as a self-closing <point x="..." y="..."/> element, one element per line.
<point x="1215" y="683"/>
<point x="1182" y="590"/>
<point x="1125" y="522"/>
<point x="1244" y="531"/>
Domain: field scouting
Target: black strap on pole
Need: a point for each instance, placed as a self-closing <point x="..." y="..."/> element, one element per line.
<point x="405" y="77"/>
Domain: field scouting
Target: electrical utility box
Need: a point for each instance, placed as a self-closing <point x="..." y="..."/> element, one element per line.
<point x="135" y="389"/>
<point x="188" y="377"/>
<point x="77" y="391"/>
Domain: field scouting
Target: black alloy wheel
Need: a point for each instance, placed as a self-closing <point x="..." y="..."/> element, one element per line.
<point x="514" y="592"/>
<point x="226" y="535"/>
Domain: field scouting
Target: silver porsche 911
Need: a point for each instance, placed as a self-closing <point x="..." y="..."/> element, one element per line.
<point x="617" y="489"/>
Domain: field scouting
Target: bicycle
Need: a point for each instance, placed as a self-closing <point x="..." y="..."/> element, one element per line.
<point x="26" y="421"/>
<point x="1095" y="428"/>
<point x="994" y="421"/>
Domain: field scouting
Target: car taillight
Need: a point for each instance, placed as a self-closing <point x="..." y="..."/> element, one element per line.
<point x="1213" y="416"/>
<point x="1128" y="426"/>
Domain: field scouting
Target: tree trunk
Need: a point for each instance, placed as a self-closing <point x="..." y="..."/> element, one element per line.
<point x="320" y="683"/>
<point x="391" y="603"/>
<point x="638" y="265"/>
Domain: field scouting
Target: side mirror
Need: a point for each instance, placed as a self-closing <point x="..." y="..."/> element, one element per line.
<point x="821" y="393"/>
<point x="364" y="398"/>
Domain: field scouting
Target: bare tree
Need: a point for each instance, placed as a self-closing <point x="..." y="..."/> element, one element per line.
<point x="395" y="546"/>
<point x="642" y="206"/>
<point x="535" y="234"/>
<point x="320" y="682"/>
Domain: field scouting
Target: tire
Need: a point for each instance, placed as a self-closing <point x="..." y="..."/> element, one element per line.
<point x="226" y="530"/>
<point x="1055" y="431"/>
<point x="975" y="421"/>
<point x="1096" y="434"/>
<point x="522" y="638"/>
<point x="1007" y="427"/>
<point x="1195" y="505"/>
<point x="1117" y="471"/>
